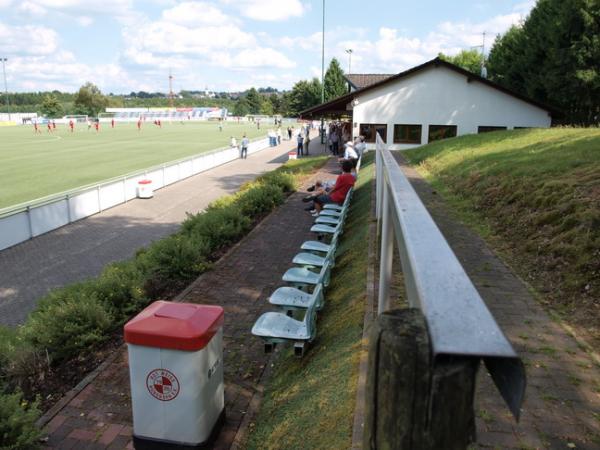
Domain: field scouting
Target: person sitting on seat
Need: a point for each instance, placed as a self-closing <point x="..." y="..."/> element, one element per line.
<point x="337" y="194"/>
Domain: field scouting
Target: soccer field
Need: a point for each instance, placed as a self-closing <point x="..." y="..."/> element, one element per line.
<point x="36" y="165"/>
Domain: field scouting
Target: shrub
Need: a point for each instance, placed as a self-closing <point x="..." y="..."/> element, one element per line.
<point x="172" y="260"/>
<point x="120" y="288"/>
<point x="20" y="362"/>
<point x="17" y="423"/>
<point x="259" y="199"/>
<point x="283" y="180"/>
<point x="68" y="321"/>
<point x="218" y="227"/>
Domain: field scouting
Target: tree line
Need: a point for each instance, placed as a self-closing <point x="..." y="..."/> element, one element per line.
<point x="552" y="57"/>
<point x="89" y="100"/>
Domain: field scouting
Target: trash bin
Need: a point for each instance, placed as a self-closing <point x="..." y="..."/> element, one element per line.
<point x="176" y="375"/>
<point x="144" y="189"/>
<point x="292" y="155"/>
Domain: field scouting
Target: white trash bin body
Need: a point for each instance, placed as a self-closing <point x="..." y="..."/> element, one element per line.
<point x="145" y="189"/>
<point x="176" y="374"/>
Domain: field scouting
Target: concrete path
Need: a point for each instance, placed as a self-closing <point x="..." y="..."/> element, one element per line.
<point x="80" y="250"/>
<point x="98" y="415"/>
<point x="562" y="401"/>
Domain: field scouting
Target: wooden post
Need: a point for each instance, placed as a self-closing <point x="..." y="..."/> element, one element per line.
<point x="413" y="402"/>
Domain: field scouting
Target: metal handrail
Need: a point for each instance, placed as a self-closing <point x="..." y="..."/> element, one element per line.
<point x="65" y="195"/>
<point x="459" y="322"/>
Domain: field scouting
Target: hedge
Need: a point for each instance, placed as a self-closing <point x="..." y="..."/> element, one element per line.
<point x="74" y="320"/>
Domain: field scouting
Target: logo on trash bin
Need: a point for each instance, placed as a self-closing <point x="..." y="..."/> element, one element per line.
<point x="162" y="385"/>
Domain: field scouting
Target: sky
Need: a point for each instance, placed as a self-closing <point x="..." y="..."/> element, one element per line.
<point x="231" y="45"/>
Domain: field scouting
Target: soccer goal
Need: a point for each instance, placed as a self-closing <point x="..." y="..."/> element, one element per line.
<point x="82" y="118"/>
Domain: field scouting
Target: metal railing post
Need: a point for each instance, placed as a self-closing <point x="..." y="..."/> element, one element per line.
<point x="378" y="181"/>
<point x="386" y="256"/>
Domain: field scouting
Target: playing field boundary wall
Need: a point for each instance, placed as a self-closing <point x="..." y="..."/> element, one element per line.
<point x="22" y="222"/>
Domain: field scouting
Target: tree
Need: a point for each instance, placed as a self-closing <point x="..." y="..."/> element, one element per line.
<point x="241" y="107"/>
<point x="266" y="107"/>
<point x="553" y="58"/>
<point x="304" y="95"/>
<point x="89" y="100"/>
<point x="334" y="81"/>
<point x="467" y="59"/>
<point x="275" y="103"/>
<point x="254" y="101"/>
<point x="51" y="107"/>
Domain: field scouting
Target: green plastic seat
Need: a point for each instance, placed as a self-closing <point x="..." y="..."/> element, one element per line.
<point x="290" y="298"/>
<point x="301" y="277"/>
<point x="330" y="212"/>
<point x="309" y="260"/>
<point x="276" y="327"/>
<point x="329" y="220"/>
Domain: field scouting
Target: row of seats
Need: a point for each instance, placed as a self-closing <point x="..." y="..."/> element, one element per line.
<point x="304" y="295"/>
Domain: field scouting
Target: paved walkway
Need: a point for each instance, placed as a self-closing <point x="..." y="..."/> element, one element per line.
<point x="80" y="250"/>
<point x="562" y="404"/>
<point x="98" y="416"/>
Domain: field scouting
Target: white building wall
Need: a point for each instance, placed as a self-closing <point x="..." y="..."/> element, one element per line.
<point x="440" y="96"/>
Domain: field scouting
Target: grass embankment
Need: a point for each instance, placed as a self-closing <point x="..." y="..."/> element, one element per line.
<point x="60" y="340"/>
<point x="309" y="402"/>
<point x="535" y="196"/>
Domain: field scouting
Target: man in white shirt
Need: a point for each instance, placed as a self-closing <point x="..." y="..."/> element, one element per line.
<point x="245" y="143"/>
<point x="349" y="154"/>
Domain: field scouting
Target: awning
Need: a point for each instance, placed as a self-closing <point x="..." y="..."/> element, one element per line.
<point x="333" y="108"/>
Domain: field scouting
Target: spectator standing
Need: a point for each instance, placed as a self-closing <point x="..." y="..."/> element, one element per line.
<point x="245" y="143"/>
<point x="333" y="136"/>
<point x="289" y="132"/>
<point x="279" y="135"/>
<point x="300" y="140"/>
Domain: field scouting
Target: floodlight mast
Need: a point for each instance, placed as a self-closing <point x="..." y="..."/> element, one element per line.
<point x="171" y="95"/>
<point x="4" y="60"/>
<point x="322" y="131"/>
<point x="349" y="51"/>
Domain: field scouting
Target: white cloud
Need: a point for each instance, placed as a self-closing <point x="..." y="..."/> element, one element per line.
<point x="268" y="10"/>
<point x="32" y="9"/>
<point x="195" y="13"/>
<point x="28" y="40"/>
<point x="262" y="57"/>
<point x="169" y="38"/>
<point x="85" y="21"/>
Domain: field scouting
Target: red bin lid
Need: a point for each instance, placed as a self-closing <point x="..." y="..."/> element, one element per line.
<point x="177" y="326"/>
<point x="144" y="181"/>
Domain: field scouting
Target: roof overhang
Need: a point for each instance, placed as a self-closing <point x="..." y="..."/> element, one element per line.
<point x="341" y="106"/>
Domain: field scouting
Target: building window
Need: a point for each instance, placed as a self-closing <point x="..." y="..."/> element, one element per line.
<point x="407" y="134"/>
<point x="487" y="129"/>
<point x="437" y="132"/>
<point x="370" y="130"/>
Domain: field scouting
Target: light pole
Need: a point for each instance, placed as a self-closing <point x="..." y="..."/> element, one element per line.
<point x="5" y="86"/>
<point x="323" y="75"/>
<point x="349" y="51"/>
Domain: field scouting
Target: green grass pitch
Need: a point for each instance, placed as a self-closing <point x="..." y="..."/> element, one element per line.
<point x="36" y="165"/>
